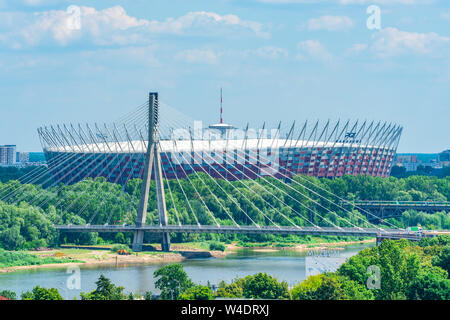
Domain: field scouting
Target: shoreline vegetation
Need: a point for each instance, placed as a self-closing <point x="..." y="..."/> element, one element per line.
<point x="421" y="273"/>
<point x="84" y="256"/>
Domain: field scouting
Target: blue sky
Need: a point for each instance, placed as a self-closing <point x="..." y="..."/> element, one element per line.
<point x="275" y="59"/>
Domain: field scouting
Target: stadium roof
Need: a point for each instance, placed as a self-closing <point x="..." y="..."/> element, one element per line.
<point x="203" y="145"/>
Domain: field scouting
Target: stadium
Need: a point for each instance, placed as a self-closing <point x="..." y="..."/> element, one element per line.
<point x="221" y="151"/>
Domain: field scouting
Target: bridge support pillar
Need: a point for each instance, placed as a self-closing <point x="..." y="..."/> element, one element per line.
<point x="152" y="164"/>
<point x="379" y="239"/>
<point x="165" y="242"/>
<point x="138" y="241"/>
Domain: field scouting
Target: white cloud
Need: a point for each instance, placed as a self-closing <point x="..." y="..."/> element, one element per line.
<point x="385" y="2"/>
<point x="330" y="23"/>
<point x="357" y="48"/>
<point x="391" y="42"/>
<point x="271" y="52"/>
<point x="35" y="3"/>
<point x="290" y="1"/>
<point x="203" y="21"/>
<point x="445" y="15"/>
<point x="345" y="2"/>
<point x="313" y="49"/>
<point x="113" y="26"/>
<point x="198" y="56"/>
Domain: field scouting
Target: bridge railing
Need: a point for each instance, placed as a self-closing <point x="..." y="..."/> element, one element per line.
<point x="399" y="203"/>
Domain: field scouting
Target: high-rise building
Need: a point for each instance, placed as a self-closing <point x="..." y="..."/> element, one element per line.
<point x="24" y="157"/>
<point x="7" y="155"/>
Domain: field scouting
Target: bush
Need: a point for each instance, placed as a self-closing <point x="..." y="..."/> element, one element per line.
<point x="217" y="246"/>
<point x="198" y="292"/>
<point x="118" y="247"/>
<point x="39" y="293"/>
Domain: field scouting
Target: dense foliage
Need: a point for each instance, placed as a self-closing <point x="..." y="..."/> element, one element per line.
<point x="400" y="172"/>
<point x="407" y="270"/>
<point x="28" y="212"/>
<point x="330" y="286"/>
<point x="26" y="227"/>
<point x="217" y="246"/>
<point x="172" y="281"/>
<point x="8" y="294"/>
<point x="197" y="292"/>
<point x="105" y="291"/>
<point x="37" y="175"/>
<point x="39" y="293"/>
<point x="264" y="286"/>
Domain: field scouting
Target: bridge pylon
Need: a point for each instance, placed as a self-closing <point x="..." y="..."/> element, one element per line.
<point x="152" y="164"/>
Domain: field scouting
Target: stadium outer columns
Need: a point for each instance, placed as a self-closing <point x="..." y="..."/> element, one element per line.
<point x="152" y="161"/>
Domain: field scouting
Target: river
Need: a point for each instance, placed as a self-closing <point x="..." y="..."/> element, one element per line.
<point x="287" y="265"/>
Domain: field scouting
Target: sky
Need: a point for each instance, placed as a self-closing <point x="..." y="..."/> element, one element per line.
<point x="276" y="60"/>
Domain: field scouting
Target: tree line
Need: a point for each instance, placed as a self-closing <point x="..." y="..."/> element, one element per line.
<point x="29" y="211"/>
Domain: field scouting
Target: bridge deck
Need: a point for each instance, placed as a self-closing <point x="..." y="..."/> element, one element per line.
<point x="365" y="232"/>
<point x="418" y="205"/>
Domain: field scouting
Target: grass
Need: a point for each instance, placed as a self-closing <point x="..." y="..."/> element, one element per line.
<point x="202" y="245"/>
<point x="308" y="240"/>
<point x="22" y="258"/>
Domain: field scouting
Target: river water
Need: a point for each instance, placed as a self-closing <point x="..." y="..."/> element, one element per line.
<point x="287" y="265"/>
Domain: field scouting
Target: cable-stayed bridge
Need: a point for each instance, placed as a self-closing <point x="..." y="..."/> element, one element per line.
<point x="211" y="173"/>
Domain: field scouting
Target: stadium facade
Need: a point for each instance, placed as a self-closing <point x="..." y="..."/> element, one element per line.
<point x="74" y="153"/>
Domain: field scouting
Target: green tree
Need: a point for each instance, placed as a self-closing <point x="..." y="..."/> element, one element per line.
<point x="172" y="281"/>
<point x="39" y="293"/>
<point x="148" y="295"/>
<point x="105" y="291"/>
<point x="443" y="259"/>
<point x="431" y="284"/>
<point x="264" y="286"/>
<point x="398" y="263"/>
<point x="306" y="290"/>
<point x="197" y="292"/>
<point x="330" y="286"/>
<point x="232" y="290"/>
<point x="11" y="295"/>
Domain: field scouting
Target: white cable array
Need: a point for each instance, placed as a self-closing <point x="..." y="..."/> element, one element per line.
<point x="214" y="196"/>
<point x="184" y="193"/>
<point x="171" y="196"/>
<point x="48" y="180"/>
<point x="249" y="201"/>
<point x="323" y="197"/>
<point x="224" y="178"/>
<point x="199" y="196"/>
<point x="107" y="179"/>
<point x="276" y="209"/>
<point x="132" y="117"/>
<point x="305" y="196"/>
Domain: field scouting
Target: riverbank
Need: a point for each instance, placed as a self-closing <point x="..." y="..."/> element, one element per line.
<point x="180" y="253"/>
<point x="302" y="247"/>
<point x="86" y="257"/>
